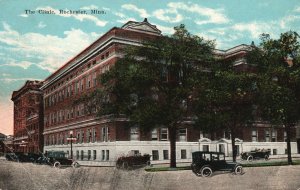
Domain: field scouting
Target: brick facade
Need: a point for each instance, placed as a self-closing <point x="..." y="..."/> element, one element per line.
<point x="28" y="118"/>
<point x="109" y="138"/>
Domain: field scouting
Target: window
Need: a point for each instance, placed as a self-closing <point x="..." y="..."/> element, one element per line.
<point x="78" y="136"/>
<point x="254" y="135"/>
<point x="94" y="135"/>
<point x="164" y="134"/>
<point x="89" y="135"/>
<point x="274" y="151"/>
<point x="205" y="147"/>
<point x="166" y="154"/>
<point x="88" y="82"/>
<point x="77" y="154"/>
<point x="82" y="155"/>
<point x="105" y="134"/>
<point x="89" y="154"/>
<point x="94" y="154"/>
<point x="135" y="152"/>
<point x="94" y="79"/>
<point x="183" y="153"/>
<point x="134" y="133"/>
<point x="154" y="135"/>
<point x="155" y="155"/>
<point x="267" y="135"/>
<point x="82" y="137"/>
<point x="107" y="154"/>
<point x="103" y="154"/>
<point x="77" y="88"/>
<point x="182" y="134"/>
<point x="274" y="135"/>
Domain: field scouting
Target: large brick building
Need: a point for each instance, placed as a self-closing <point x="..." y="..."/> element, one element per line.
<point x="99" y="141"/>
<point x="28" y="118"/>
<point x="102" y="140"/>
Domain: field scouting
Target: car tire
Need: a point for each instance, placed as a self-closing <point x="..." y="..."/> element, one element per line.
<point x="238" y="170"/>
<point x="250" y="158"/>
<point x="56" y="165"/>
<point x="75" y="164"/>
<point x="266" y="157"/>
<point x="206" y="171"/>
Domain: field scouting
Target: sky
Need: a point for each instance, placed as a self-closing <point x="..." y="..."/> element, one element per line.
<point x="34" y="44"/>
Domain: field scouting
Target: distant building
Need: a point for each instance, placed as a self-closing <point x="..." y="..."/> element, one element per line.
<point x="28" y="118"/>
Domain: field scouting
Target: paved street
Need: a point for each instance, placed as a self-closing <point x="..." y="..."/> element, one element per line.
<point x="16" y="176"/>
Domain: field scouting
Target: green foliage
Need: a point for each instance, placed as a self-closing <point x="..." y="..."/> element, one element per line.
<point x="277" y="63"/>
<point x="225" y="98"/>
<point x="152" y="82"/>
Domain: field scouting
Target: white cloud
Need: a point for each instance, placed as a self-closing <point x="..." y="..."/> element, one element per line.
<point x="286" y="21"/>
<point x="164" y="29"/>
<point x="215" y="16"/>
<point x="142" y="12"/>
<point x="89" y="7"/>
<point x="297" y="9"/>
<point x="52" y="55"/>
<point x="14" y="63"/>
<point x="255" y="28"/>
<point x="41" y="25"/>
<point x="80" y="17"/>
<point x="163" y="15"/>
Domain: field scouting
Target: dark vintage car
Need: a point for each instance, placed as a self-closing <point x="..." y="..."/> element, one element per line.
<point x="57" y="159"/>
<point x="127" y="162"/>
<point x="256" y="154"/>
<point x="18" y="157"/>
<point x="205" y="163"/>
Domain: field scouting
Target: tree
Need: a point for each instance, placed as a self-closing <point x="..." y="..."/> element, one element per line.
<point x="152" y="83"/>
<point x="279" y="81"/>
<point x="225" y="99"/>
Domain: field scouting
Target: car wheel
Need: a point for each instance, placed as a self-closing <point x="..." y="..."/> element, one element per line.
<point x="56" y="165"/>
<point x="250" y="158"/>
<point x="266" y="157"/>
<point x="206" y="171"/>
<point x="75" y="164"/>
<point x="238" y="170"/>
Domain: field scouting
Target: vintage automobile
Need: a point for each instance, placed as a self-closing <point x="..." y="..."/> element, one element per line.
<point x="256" y="154"/>
<point x="58" y="159"/>
<point x="128" y="162"/>
<point x="204" y="163"/>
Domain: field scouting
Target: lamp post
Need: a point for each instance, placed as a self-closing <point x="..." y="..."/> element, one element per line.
<point x="71" y="138"/>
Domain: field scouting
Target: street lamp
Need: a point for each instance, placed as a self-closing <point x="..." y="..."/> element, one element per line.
<point x="71" y="138"/>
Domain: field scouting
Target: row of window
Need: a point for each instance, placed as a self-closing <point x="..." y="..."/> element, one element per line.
<point x="157" y="134"/>
<point x="81" y="155"/>
<point x="75" y="88"/>
<point x="165" y="153"/>
<point x="93" y="62"/>
<point x="270" y="135"/>
<point x="61" y="116"/>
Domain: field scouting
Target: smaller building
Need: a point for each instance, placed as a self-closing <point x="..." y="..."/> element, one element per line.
<point x="28" y="118"/>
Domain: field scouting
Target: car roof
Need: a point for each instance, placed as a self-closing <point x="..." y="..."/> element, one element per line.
<point x="207" y="152"/>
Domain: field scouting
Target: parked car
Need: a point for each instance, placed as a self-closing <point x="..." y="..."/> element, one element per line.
<point x="127" y="162"/>
<point x="11" y="157"/>
<point x="256" y="154"/>
<point x="58" y="159"/>
<point x="204" y="163"/>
